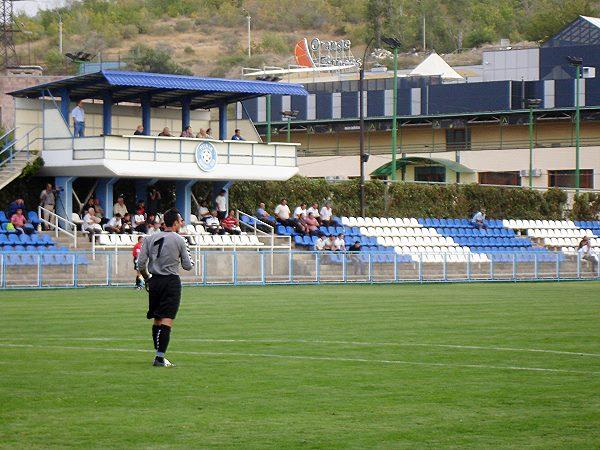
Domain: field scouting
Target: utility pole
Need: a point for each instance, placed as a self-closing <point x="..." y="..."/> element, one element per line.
<point x="532" y="103"/>
<point x="395" y="44"/>
<point x="424" y="41"/>
<point x="7" y="22"/>
<point x="249" y="19"/>
<point x="577" y="62"/>
<point x="361" y="106"/>
<point x="60" y="35"/>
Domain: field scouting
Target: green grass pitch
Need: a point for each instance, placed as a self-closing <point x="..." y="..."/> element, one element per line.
<point x="405" y="366"/>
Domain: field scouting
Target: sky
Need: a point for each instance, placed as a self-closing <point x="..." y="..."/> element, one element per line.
<point x="30" y="7"/>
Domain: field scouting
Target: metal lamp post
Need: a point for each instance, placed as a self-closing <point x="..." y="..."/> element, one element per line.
<point x="289" y="115"/>
<point x="361" y="114"/>
<point x="395" y="45"/>
<point x="273" y="79"/>
<point x="531" y="103"/>
<point x="577" y="62"/>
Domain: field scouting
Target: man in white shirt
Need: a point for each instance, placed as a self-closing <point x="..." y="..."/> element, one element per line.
<point x="478" y="219"/>
<point x="330" y="243"/>
<point x="139" y="221"/>
<point x="339" y="244"/>
<point x="78" y="115"/>
<point x="585" y="252"/>
<point x="91" y="224"/>
<point x="300" y="211"/>
<point x="47" y="201"/>
<point x="282" y="212"/>
<point x="221" y="204"/>
<point x="320" y="244"/>
<point x="326" y="215"/>
<point x="314" y="209"/>
<point x="120" y="207"/>
<point x="114" y="225"/>
<point x="213" y="224"/>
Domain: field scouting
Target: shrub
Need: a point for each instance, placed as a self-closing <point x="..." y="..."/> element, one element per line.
<point x="183" y="26"/>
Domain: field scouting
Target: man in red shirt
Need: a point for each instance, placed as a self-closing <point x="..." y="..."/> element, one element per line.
<point x="230" y="223"/>
<point x="137" y="249"/>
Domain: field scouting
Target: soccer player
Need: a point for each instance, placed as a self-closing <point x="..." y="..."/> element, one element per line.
<point x="137" y="249"/>
<point x="159" y="262"/>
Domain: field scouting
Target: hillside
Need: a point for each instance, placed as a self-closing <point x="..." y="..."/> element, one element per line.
<point x="208" y="37"/>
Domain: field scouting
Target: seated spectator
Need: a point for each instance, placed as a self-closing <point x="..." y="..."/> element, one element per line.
<point x="187" y="132"/>
<point x="114" y="225"/>
<point x="320" y="244"/>
<point x="208" y="133"/>
<point x="357" y="266"/>
<point x="478" y="220"/>
<point x="139" y="131"/>
<point x="165" y="132"/>
<point x="99" y="211"/>
<point x="126" y="224"/>
<point x="120" y="207"/>
<point x="202" y="134"/>
<point x="139" y="221"/>
<point x="263" y="215"/>
<point x="584" y="249"/>
<point x="17" y="204"/>
<point x="91" y="223"/>
<point x="300" y="211"/>
<point x="237" y="136"/>
<point x="141" y="205"/>
<point x="282" y="213"/>
<point x="212" y="223"/>
<point x="327" y="216"/>
<point x="153" y="228"/>
<point x="356" y="247"/>
<point x="340" y="243"/>
<point x="203" y="212"/>
<point x="19" y="220"/>
<point x="230" y="224"/>
<point x="311" y="224"/>
<point x="330" y="243"/>
<point x="314" y="209"/>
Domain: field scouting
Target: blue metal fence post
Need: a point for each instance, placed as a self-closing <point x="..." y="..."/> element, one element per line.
<point x="291" y="266"/>
<point x="370" y="279"/>
<point x="557" y="266"/>
<point x="146" y="114"/>
<point x="445" y="267"/>
<point x="491" y="268"/>
<point x="535" y="266"/>
<point x="234" y="261"/>
<point x="578" y="267"/>
<point x="75" y="274"/>
<point x="109" y="265"/>
<point x="395" y="267"/>
<point x="514" y="267"/>
<point x="420" y="267"/>
<point x="318" y="267"/>
<point x="262" y="268"/>
<point x="39" y="270"/>
<point x="204" y="268"/>
<point x="3" y="270"/>
<point x="344" y="274"/>
<point x="469" y="266"/>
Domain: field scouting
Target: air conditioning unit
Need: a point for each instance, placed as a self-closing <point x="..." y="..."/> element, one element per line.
<point x="588" y="72"/>
<point x="534" y="173"/>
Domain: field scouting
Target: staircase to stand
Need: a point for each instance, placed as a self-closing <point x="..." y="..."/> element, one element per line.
<point x="16" y="154"/>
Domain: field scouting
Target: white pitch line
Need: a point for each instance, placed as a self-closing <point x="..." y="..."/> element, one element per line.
<point x="309" y="358"/>
<point x="355" y="343"/>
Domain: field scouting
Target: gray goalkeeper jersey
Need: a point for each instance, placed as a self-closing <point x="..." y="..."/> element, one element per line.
<point x="163" y="252"/>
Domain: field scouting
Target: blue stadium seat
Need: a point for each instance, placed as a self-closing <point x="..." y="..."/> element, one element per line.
<point x="298" y="240"/>
<point x="280" y="229"/>
<point x="14" y="239"/>
<point x="33" y="218"/>
<point x="25" y="239"/>
<point x="3" y="218"/>
<point x="3" y="239"/>
<point x="307" y="241"/>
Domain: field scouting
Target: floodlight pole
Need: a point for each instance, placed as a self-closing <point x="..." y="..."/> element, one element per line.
<point x="577" y="120"/>
<point x="395" y="115"/>
<point x="530" y="145"/>
<point x="289" y="129"/>
<point x="361" y="112"/>
<point x="268" y="119"/>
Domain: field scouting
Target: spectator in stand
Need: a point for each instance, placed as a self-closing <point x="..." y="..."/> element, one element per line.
<point x="19" y="220"/>
<point x="91" y="224"/>
<point x="356" y="247"/>
<point x="221" y="204"/>
<point x="208" y="133"/>
<point x="114" y="225"/>
<point x="330" y="243"/>
<point x="311" y="224"/>
<point x="327" y="215"/>
<point x="300" y="211"/>
<point x="139" y="221"/>
<point x="314" y="209"/>
<point x="153" y="228"/>
<point x="282" y="213"/>
<point x="139" y="131"/>
<point x="584" y="250"/>
<point x="203" y="212"/>
<point x="212" y="223"/>
<point x="120" y="207"/>
<point x="263" y="215"/>
<point x="358" y="267"/>
<point x="230" y="224"/>
<point x="165" y="132"/>
<point x="127" y="226"/>
<point x="99" y="211"/>
<point x="478" y="220"/>
<point x="137" y="249"/>
<point x="340" y="243"/>
<point x="19" y="203"/>
<point x="47" y="201"/>
<point x="237" y="135"/>
<point x="320" y="244"/>
<point x="187" y="132"/>
<point x="141" y="204"/>
<point x="202" y="134"/>
<point x="154" y="203"/>
<point x="78" y="116"/>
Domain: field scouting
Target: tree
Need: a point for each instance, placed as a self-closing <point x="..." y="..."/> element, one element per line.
<point x="156" y="60"/>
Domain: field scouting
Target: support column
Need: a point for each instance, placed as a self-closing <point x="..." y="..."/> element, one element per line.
<point x="146" y="114"/>
<point x="105" y="193"/>
<point x="64" y="200"/>
<point x="183" y="198"/>
<point x="185" y="112"/>
<point x="223" y="122"/>
<point x="141" y="189"/>
<point x="107" y="113"/>
<point x="216" y="188"/>
<point x="65" y="101"/>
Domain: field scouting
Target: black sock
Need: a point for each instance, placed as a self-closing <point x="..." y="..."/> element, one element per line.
<point x="162" y="338"/>
<point x="154" y="334"/>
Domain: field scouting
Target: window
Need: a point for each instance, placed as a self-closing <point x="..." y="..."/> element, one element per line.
<point x="430" y="173"/>
<point x="505" y="178"/>
<point x="566" y="178"/>
<point x="458" y="139"/>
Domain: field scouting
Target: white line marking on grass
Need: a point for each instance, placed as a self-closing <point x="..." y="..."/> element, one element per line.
<point x="355" y="343"/>
<point x="310" y="358"/>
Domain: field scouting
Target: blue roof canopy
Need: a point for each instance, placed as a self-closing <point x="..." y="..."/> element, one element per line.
<point x="164" y="89"/>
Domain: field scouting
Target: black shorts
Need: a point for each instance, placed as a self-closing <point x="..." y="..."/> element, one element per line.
<point x="164" y="296"/>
